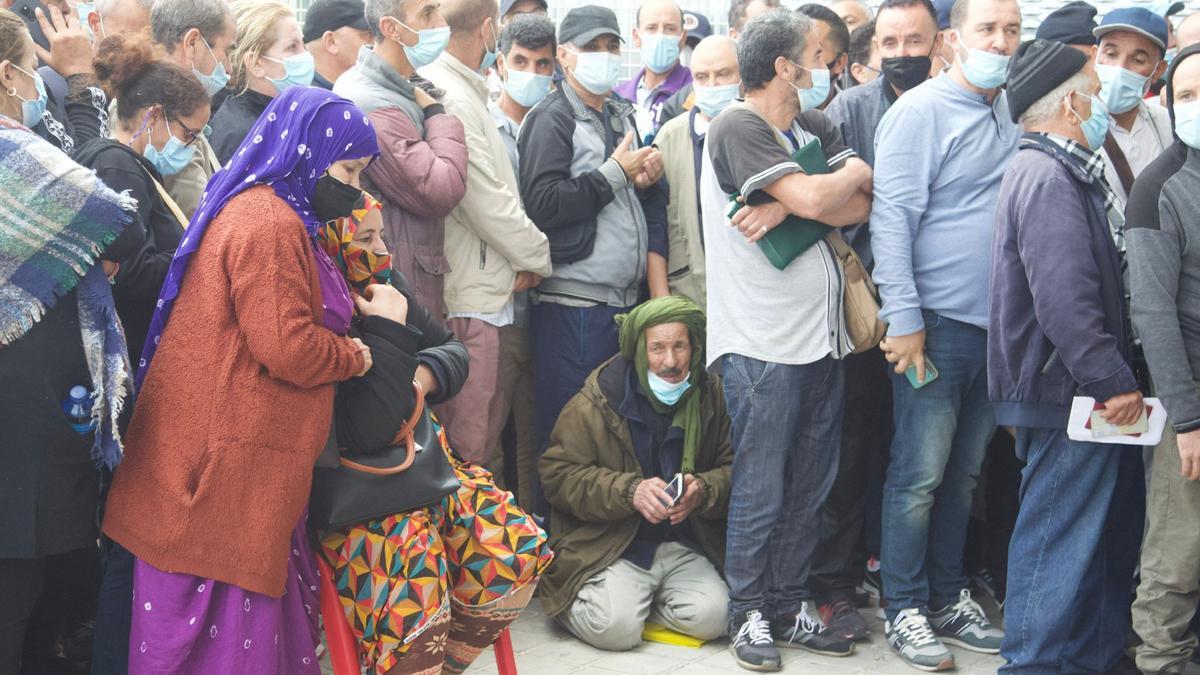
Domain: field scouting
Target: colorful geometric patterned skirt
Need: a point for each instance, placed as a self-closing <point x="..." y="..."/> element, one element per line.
<point x="400" y="575"/>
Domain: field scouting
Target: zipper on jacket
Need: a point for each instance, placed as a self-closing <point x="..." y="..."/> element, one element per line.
<point x="482" y="254"/>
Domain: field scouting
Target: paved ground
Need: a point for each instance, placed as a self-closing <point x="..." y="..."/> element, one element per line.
<point x="543" y="648"/>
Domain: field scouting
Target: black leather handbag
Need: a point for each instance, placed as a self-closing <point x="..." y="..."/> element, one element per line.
<point x="351" y="487"/>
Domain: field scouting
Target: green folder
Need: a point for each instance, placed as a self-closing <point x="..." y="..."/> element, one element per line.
<point x="794" y="235"/>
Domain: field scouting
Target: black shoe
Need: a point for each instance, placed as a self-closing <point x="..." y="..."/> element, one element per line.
<point x="872" y="578"/>
<point x="805" y="630"/>
<point x="751" y="644"/>
<point x="841" y="618"/>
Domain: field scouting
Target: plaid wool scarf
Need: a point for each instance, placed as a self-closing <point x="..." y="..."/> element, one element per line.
<point x="55" y="219"/>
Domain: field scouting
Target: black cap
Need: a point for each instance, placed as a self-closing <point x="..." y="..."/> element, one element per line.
<point x="326" y="15"/>
<point x="1071" y="24"/>
<point x="507" y="5"/>
<point x="584" y="24"/>
<point x="1037" y="68"/>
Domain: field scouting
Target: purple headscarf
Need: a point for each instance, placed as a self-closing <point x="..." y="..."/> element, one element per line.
<point x="302" y="132"/>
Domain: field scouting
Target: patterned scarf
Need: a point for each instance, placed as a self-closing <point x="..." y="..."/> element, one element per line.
<point x="299" y="136"/>
<point x="55" y="219"/>
<point x="361" y="266"/>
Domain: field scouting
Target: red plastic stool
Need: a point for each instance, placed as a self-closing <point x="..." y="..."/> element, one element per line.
<point x="343" y="648"/>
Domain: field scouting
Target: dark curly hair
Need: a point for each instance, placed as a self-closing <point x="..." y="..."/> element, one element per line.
<point x="137" y="75"/>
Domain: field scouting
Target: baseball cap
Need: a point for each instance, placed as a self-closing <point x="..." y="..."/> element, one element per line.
<point x="326" y="15"/>
<point x="507" y="5"/>
<point x="697" y="26"/>
<point x="1168" y="8"/>
<point x="584" y="24"/>
<point x="1137" y="20"/>
<point x="1074" y="24"/>
<point x="943" y="8"/>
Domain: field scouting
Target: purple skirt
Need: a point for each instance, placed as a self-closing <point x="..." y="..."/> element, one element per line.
<point x="187" y="624"/>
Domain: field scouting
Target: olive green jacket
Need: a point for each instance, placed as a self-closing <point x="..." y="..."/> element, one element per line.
<point x="590" y="472"/>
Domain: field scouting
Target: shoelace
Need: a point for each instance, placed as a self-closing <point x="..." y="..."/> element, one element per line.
<point x="810" y="624"/>
<point x="755" y="629"/>
<point x="916" y="630"/>
<point x="967" y="607"/>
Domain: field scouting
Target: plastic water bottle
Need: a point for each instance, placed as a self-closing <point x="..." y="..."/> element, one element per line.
<point x="78" y="408"/>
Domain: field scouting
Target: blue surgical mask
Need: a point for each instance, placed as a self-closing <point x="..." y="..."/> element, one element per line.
<point x="1095" y="127"/>
<point x="667" y="393"/>
<point x="84" y="9"/>
<point x="172" y="159"/>
<point x="298" y="71"/>
<point x="489" y="55"/>
<point x="813" y="96"/>
<point x="527" y="89"/>
<point x="597" y="71"/>
<point x="660" y="52"/>
<point x="985" y="69"/>
<point x="1187" y="123"/>
<point x="215" y="81"/>
<point x="1121" y="89"/>
<point x="32" y="109"/>
<point x="712" y="100"/>
<point x="431" y="42"/>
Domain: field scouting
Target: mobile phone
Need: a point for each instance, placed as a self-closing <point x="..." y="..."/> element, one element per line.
<point x="675" y="489"/>
<point x="931" y="374"/>
<point x="25" y="10"/>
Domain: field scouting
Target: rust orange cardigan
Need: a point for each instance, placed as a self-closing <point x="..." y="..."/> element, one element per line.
<point x="236" y="406"/>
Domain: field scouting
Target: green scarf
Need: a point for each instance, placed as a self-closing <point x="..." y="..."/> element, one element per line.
<point x="632" y="338"/>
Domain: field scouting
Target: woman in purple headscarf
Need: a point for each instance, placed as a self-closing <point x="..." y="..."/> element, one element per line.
<point x="236" y="388"/>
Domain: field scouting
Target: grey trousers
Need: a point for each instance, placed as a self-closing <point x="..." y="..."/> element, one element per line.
<point x="1170" y="586"/>
<point x="681" y="591"/>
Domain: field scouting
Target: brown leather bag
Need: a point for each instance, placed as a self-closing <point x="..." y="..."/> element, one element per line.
<point x="860" y="298"/>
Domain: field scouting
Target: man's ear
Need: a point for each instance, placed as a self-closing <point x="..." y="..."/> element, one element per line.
<point x="329" y="42"/>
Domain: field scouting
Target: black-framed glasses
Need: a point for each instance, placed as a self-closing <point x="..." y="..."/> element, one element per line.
<point x="192" y="135"/>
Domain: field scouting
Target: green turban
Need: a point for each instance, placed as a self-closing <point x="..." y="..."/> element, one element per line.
<point x="632" y="339"/>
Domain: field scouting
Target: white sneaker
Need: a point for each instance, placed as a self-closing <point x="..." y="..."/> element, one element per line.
<point x="913" y="639"/>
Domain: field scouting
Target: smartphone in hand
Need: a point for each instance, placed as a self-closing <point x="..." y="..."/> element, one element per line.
<point x="931" y="374"/>
<point x="675" y="489"/>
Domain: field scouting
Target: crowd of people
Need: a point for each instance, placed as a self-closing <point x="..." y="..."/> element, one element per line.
<point x="789" y="323"/>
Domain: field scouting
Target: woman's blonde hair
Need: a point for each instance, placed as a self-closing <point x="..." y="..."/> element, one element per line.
<point x="12" y="37"/>
<point x="256" y="32"/>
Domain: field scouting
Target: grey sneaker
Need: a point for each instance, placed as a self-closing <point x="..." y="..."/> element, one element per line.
<point x="965" y="625"/>
<point x="751" y="645"/>
<point x="912" y="638"/>
<point x="805" y="630"/>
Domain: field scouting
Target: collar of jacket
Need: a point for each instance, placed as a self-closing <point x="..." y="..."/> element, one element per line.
<point x="1084" y="164"/>
<point x="469" y="77"/>
<point x="606" y="386"/>
<point x="615" y="106"/>
<point x="380" y="72"/>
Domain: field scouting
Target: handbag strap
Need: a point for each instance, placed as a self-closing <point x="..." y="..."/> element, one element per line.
<point x="405" y="436"/>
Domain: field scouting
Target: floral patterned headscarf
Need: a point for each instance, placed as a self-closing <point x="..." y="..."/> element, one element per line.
<point x="361" y="266"/>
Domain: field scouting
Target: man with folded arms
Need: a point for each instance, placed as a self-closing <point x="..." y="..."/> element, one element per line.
<point x="1057" y="330"/>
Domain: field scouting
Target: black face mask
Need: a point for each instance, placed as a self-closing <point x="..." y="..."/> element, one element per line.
<point x="906" y="72"/>
<point x="333" y="199"/>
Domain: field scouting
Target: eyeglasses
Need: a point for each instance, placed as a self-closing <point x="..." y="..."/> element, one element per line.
<point x="191" y="134"/>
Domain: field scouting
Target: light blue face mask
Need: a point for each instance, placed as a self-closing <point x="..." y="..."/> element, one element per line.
<point x="597" y="71"/>
<point x="660" y="52"/>
<point x="985" y="69"/>
<point x="218" y="79"/>
<point x="84" y="9"/>
<point x="1095" y="127"/>
<point x="1121" y="89"/>
<point x="527" y="89"/>
<point x="298" y="71"/>
<point x="712" y="100"/>
<point x="667" y="393"/>
<point x="173" y="157"/>
<point x="1187" y="123"/>
<point x="431" y="42"/>
<point x="815" y="95"/>
<point x="32" y="109"/>
<point x="489" y="55"/>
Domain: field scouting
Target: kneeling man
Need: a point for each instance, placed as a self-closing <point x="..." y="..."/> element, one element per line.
<point x="627" y="551"/>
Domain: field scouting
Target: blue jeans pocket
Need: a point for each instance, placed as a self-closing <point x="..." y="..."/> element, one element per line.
<point x="747" y="371"/>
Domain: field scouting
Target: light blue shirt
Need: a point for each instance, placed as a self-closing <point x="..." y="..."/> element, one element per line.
<point x="940" y="154"/>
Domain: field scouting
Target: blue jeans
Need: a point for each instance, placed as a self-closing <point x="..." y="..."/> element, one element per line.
<point x="110" y="643"/>
<point x="1073" y="554"/>
<point x="786" y="430"/>
<point x="942" y="432"/>
<point x="568" y="344"/>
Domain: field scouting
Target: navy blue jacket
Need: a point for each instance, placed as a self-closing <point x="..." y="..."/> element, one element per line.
<point x="1057" y="319"/>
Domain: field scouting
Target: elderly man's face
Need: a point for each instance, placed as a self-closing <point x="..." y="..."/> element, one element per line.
<point x="669" y="351"/>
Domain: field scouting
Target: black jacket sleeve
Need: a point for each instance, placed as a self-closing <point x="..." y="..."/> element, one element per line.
<point x="86" y="108"/>
<point x="654" y="206"/>
<point x="439" y="349"/>
<point x="553" y="199"/>
<point x="142" y="274"/>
